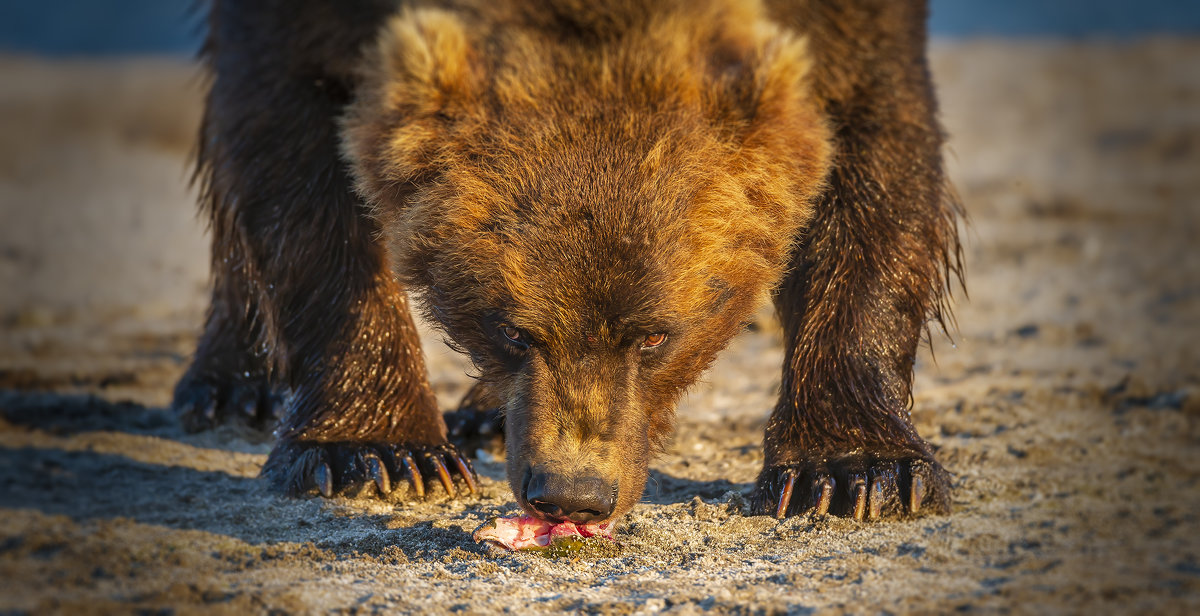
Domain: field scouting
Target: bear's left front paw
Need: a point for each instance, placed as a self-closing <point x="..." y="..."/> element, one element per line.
<point x="860" y="485"/>
<point x="470" y="429"/>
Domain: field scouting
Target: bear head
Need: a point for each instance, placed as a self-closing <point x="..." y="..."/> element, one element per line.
<point x="590" y="202"/>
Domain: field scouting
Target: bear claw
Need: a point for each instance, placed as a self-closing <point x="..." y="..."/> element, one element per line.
<point x="464" y="470"/>
<point x="379" y="474"/>
<point x="878" y="496"/>
<point x="414" y="475"/>
<point x="785" y="495"/>
<point x="443" y="474"/>
<point x="323" y="479"/>
<point x="356" y="469"/>
<point x="875" y="488"/>
<point x="916" y="491"/>
<point x="858" y="496"/>
<point x="823" y="490"/>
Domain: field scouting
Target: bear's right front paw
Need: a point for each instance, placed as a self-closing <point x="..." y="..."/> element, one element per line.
<point x="307" y="467"/>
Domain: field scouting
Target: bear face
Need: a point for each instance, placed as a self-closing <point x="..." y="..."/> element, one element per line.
<point x="591" y="217"/>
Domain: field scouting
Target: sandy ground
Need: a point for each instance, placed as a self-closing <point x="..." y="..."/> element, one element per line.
<point x="1069" y="407"/>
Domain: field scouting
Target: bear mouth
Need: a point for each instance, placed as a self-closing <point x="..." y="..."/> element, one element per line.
<point x="528" y="532"/>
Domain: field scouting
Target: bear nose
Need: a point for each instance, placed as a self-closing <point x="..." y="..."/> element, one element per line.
<point x="578" y="499"/>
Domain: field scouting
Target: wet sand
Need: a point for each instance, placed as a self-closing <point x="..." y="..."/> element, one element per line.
<point x="1068" y="405"/>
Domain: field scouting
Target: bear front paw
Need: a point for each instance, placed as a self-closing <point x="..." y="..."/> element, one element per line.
<point x="204" y="402"/>
<point x="859" y="485"/>
<point x="310" y="467"/>
<point x="471" y="429"/>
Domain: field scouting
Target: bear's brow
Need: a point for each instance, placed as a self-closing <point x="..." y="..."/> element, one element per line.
<point x="636" y="326"/>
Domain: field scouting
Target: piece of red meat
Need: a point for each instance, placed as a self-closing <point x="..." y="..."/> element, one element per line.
<point x="521" y="532"/>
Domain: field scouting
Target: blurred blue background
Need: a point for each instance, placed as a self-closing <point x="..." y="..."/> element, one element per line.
<point x="72" y="27"/>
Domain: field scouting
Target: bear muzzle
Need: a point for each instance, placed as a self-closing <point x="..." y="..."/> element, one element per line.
<point x="579" y="498"/>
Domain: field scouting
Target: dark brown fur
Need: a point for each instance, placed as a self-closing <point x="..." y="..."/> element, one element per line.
<point x="589" y="175"/>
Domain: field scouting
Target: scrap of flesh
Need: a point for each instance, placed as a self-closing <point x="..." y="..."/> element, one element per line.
<point x="522" y="532"/>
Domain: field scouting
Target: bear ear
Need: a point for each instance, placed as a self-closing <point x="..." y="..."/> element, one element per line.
<point x="768" y="83"/>
<point x="782" y="143"/>
<point x="785" y="115"/>
<point x="428" y="63"/>
<point x="422" y="75"/>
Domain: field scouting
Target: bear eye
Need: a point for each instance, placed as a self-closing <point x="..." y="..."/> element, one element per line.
<point x="512" y="334"/>
<point x="654" y="340"/>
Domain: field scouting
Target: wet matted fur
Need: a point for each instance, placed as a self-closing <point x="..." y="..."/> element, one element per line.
<point x="557" y="182"/>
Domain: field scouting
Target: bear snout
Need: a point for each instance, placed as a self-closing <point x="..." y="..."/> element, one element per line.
<point x="579" y="498"/>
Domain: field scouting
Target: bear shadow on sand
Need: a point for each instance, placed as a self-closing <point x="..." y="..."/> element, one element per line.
<point x="87" y="485"/>
<point x="58" y="473"/>
<point x="67" y="414"/>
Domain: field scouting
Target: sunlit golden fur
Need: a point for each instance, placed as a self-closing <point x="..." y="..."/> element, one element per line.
<point x="655" y="167"/>
<point x="702" y="107"/>
<point x="557" y="182"/>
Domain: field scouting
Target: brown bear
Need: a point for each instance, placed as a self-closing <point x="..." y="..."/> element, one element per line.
<point x="590" y="199"/>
